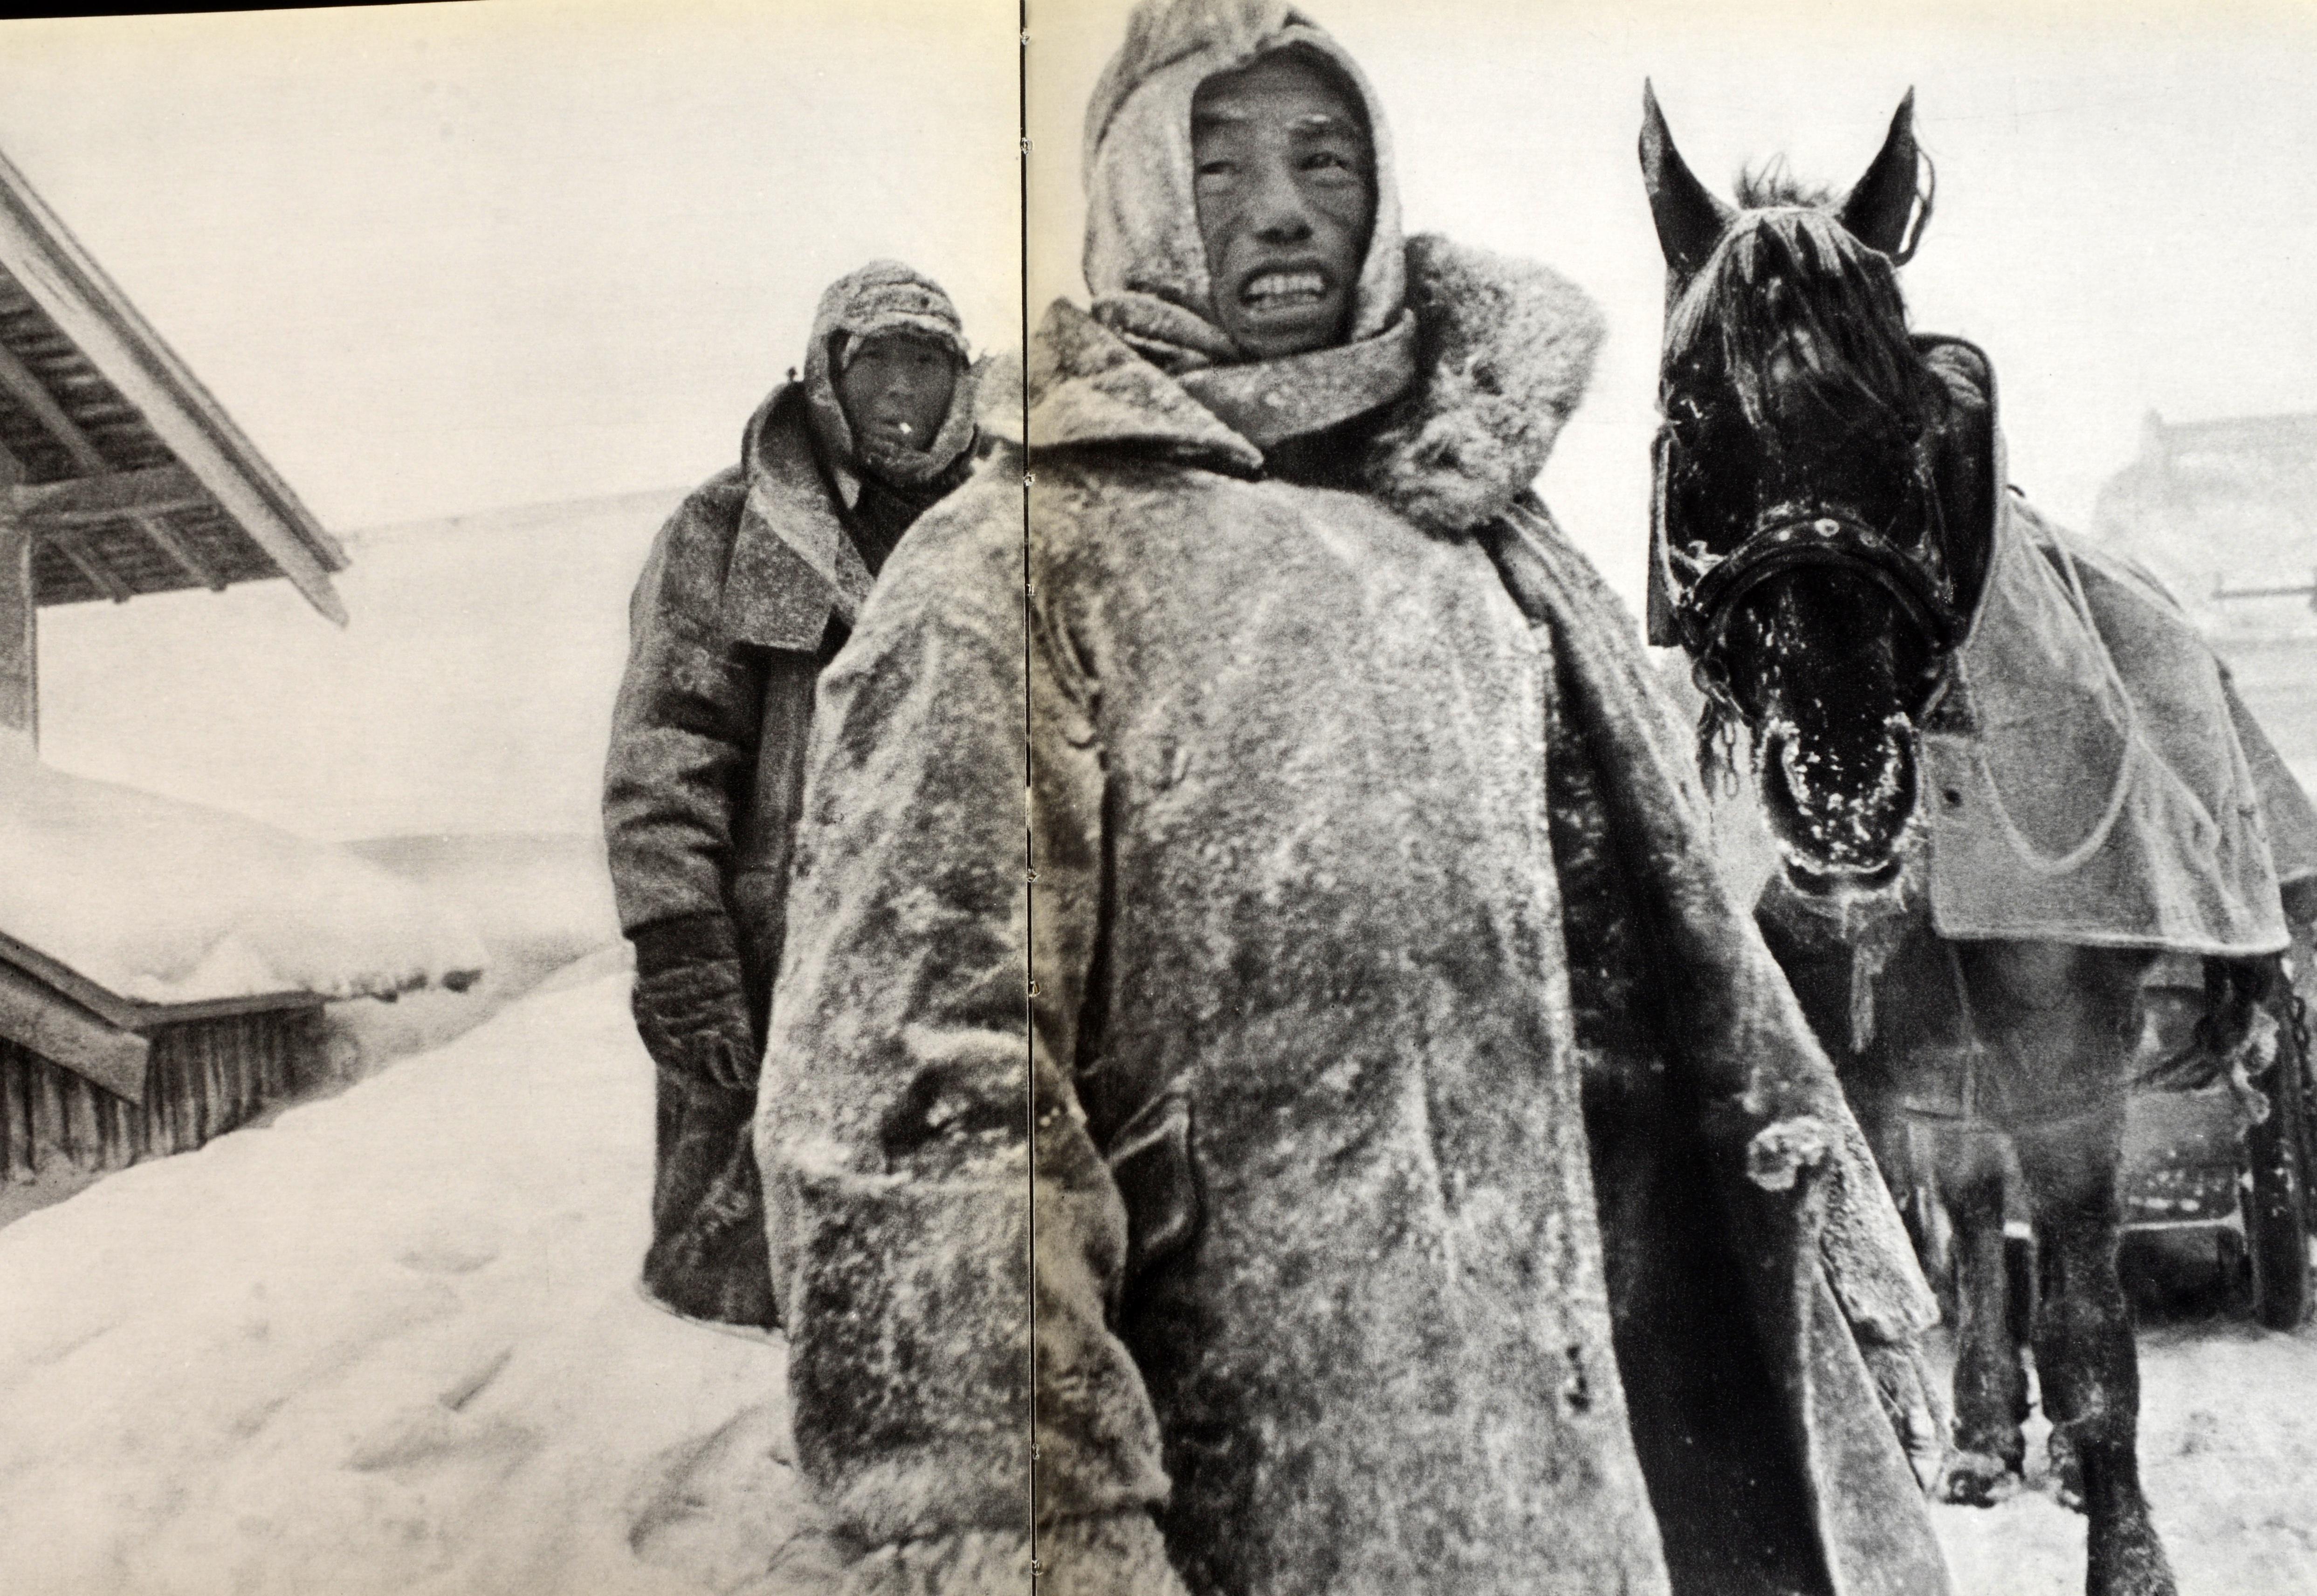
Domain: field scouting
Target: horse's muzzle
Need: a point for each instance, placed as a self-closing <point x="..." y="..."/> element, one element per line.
<point x="1839" y="824"/>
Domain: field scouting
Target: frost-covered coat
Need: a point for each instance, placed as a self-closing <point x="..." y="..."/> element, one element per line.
<point x="1365" y="853"/>
<point x="744" y="599"/>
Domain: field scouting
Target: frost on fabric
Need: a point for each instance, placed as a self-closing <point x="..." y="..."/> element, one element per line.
<point x="164" y="901"/>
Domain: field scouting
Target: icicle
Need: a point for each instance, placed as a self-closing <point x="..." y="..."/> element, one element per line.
<point x="177" y="1112"/>
<point x="48" y="1135"/>
<point x="137" y="1122"/>
<point x="112" y="1131"/>
<point x="246" y="1039"/>
<point x="15" y="1114"/>
<point x="85" y="1142"/>
<point x="214" y="1120"/>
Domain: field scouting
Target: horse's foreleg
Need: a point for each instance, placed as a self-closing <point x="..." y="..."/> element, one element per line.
<point x="1990" y="1387"/>
<point x="2084" y="1351"/>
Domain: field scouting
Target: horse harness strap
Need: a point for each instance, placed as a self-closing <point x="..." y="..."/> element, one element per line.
<point x="1975" y="1047"/>
<point x="1695" y="593"/>
<point x="1706" y="589"/>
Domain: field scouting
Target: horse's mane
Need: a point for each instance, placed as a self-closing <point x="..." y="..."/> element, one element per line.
<point x="1773" y="182"/>
<point x="1788" y="267"/>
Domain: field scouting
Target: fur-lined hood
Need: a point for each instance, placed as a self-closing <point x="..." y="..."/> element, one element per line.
<point x="1504" y="349"/>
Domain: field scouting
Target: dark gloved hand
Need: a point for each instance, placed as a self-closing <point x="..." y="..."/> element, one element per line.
<point x="691" y="1004"/>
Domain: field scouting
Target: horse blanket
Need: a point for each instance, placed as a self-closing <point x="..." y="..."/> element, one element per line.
<point x="2090" y="776"/>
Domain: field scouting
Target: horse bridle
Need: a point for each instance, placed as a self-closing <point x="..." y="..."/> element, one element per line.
<point x="1695" y="594"/>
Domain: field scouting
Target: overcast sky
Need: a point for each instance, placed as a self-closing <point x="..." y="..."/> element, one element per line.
<point x="2125" y="220"/>
<point x="439" y="258"/>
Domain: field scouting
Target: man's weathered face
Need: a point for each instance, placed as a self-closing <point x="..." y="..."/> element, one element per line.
<point x="896" y="391"/>
<point x="1286" y="191"/>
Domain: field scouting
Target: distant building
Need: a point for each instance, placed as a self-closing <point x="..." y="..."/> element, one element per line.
<point x="162" y="966"/>
<point x="2225" y="512"/>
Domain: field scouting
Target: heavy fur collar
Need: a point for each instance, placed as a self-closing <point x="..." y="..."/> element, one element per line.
<point x="1504" y="350"/>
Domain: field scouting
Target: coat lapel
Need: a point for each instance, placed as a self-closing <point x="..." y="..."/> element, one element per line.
<point x="792" y="565"/>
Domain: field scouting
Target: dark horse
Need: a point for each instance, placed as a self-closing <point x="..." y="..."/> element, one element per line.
<point x="1826" y="484"/>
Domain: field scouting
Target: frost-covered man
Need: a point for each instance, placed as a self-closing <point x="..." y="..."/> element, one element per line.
<point x="1436" y="1187"/>
<point x="748" y="594"/>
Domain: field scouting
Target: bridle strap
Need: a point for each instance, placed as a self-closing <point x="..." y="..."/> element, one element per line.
<point x="1789" y="537"/>
<point x="1694" y="595"/>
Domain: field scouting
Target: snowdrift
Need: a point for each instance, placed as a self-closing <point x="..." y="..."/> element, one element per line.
<point x="169" y="902"/>
<point x="389" y="1345"/>
<point x="536" y="901"/>
<point x="539" y="903"/>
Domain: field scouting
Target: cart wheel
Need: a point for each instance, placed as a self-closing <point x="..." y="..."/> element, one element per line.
<point x="2274" y="1238"/>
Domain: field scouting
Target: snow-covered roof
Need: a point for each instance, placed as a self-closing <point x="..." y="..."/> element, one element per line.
<point x="162" y="903"/>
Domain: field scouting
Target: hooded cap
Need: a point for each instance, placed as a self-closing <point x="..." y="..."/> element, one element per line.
<point x="1146" y="262"/>
<point x="883" y="297"/>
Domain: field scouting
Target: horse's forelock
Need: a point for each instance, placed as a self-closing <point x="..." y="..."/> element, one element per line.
<point x="1724" y="327"/>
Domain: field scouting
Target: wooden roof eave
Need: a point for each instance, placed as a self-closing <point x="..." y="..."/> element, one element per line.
<point x="35" y="1015"/>
<point x="97" y="1035"/>
<point x="60" y="277"/>
<point x="137" y="1014"/>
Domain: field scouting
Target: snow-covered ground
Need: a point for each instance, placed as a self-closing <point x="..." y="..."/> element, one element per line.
<point x="388" y="1344"/>
<point x="2228" y="1453"/>
<point x="536" y="901"/>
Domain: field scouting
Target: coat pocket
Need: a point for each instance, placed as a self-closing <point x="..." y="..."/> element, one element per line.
<point x="1150" y="1161"/>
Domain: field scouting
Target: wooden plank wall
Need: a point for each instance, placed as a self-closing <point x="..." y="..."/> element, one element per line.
<point x="205" y="1077"/>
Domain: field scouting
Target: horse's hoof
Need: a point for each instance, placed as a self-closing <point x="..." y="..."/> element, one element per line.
<point x="2129" y="1561"/>
<point x="1975" y="1479"/>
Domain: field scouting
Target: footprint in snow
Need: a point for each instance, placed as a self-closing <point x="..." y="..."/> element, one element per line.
<point x="449" y="1254"/>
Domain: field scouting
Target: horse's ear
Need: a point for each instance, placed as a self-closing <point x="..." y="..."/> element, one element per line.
<point x="1880" y="212"/>
<point x="1690" y="220"/>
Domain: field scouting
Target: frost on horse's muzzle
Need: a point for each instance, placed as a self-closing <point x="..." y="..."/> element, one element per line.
<point x="1841" y="816"/>
<point x="1838" y="779"/>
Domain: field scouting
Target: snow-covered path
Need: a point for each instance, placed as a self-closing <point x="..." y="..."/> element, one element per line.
<point x="389" y="1345"/>
<point x="2228" y="1454"/>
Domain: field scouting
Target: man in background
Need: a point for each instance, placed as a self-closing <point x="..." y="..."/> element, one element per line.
<point x="749" y="591"/>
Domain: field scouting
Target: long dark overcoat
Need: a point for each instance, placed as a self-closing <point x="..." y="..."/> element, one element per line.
<point x="743" y="601"/>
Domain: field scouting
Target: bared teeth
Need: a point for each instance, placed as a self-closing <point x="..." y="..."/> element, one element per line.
<point x="1286" y="287"/>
